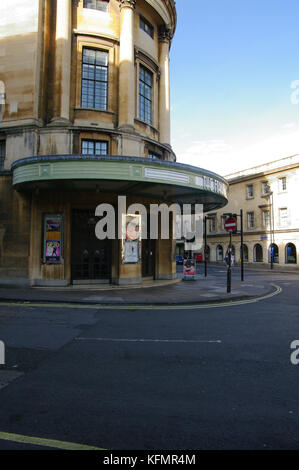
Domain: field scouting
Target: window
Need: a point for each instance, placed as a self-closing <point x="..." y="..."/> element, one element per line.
<point x="258" y="253"/>
<point x="219" y="253"/>
<point x="145" y="95"/>
<point x="273" y="253"/>
<point x="101" y="5"/>
<point x="266" y="218"/>
<point x="249" y="190"/>
<point x="153" y="155"/>
<point x="282" y="184"/>
<point x="213" y="224"/>
<point x="146" y="26"/>
<point x="250" y="219"/>
<point x="291" y="253"/>
<point x="265" y="188"/>
<point x="94" y="147"/>
<point x="223" y="219"/>
<point x="2" y="153"/>
<point x="94" y="79"/>
<point x="283" y="217"/>
<point x="245" y="253"/>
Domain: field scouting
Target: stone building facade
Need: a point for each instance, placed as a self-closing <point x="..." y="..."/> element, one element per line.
<point x="85" y="118"/>
<point x="267" y="196"/>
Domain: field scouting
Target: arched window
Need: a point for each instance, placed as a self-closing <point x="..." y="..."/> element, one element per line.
<point x="219" y="253"/>
<point x="245" y="253"/>
<point x="291" y="254"/>
<point x="273" y="253"/>
<point x="258" y="253"/>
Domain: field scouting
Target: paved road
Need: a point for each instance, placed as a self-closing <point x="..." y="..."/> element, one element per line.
<point x="205" y="378"/>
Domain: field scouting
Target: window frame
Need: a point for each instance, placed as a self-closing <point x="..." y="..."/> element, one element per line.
<point x="249" y="225"/>
<point x="94" y="81"/>
<point x="266" y="189"/>
<point x="153" y="155"/>
<point x="249" y="196"/>
<point x="282" y="184"/>
<point x="283" y="221"/>
<point x="94" y="142"/>
<point x="212" y="224"/>
<point x="97" y="2"/>
<point x="265" y="223"/>
<point x="146" y="26"/>
<point x="143" y="97"/>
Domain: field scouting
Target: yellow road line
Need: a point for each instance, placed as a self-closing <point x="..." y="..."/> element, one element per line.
<point x="219" y="304"/>
<point x="38" y="441"/>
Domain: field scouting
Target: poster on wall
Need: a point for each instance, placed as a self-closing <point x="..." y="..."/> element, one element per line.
<point x="131" y="251"/>
<point x="52" y="239"/>
<point x="131" y="237"/>
<point x="189" y="269"/>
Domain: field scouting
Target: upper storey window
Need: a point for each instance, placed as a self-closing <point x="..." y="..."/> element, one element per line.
<point x="145" y="94"/>
<point x="94" y="91"/>
<point x="101" y="5"/>
<point x="146" y="26"/>
<point x="94" y="147"/>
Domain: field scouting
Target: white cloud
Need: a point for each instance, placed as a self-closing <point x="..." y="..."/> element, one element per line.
<point x="289" y="125"/>
<point x="223" y="158"/>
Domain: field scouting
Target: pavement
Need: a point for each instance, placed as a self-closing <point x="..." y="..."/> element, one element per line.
<point x="210" y="289"/>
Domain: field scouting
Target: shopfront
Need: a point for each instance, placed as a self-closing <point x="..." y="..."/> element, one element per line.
<point x="65" y="194"/>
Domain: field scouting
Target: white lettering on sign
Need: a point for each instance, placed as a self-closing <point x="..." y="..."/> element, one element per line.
<point x="211" y="184"/>
<point x="166" y="175"/>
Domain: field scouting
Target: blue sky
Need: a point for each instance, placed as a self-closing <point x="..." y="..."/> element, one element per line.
<point x="232" y="66"/>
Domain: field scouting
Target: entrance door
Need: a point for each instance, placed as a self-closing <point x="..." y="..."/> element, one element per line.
<point x="91" y="258"/>
<point x="148" y="258"/>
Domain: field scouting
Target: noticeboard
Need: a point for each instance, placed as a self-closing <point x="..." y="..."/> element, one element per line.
<point x="53" y="236"/>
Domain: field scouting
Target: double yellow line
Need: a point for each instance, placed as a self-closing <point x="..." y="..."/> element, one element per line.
<point x="38" y="441"/>
<point x="220" y="304"/>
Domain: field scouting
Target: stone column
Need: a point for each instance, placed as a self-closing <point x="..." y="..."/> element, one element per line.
<point x="164" y="92"/>
<point x="126" y="111"/>
<point x="63" y="42"/>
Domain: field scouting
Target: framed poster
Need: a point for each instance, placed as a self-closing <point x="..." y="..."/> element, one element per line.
<point x="53" y="236"/>
<point x="131" y="239"/>
<point x="189" y="269"/>
<point x="131" y="251"/>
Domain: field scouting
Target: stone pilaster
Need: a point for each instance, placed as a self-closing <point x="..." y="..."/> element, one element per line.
<point x="165" y="36"/>
<point x="62" y="82"/>
<point x="126" y="65"/>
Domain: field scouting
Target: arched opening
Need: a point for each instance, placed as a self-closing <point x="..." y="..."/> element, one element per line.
<point x="245" y="253"/>
<point x="258" y="253"/>
<point x="273" y="253"/>
<point x="219" y="253"/>
<point x="291" y="254"/>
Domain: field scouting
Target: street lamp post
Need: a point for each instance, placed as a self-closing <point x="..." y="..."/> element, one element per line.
<point x="242" y="246"/>
<point x="229" y="214"/>
<point x="270" y="195"/>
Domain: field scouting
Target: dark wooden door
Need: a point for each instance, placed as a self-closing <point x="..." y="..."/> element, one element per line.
<point x="148" y="258"/>
<point x="91" y="258"/>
